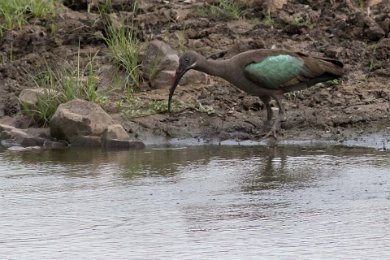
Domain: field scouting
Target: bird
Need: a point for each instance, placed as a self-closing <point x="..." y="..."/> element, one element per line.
<point x="266" y="73"/>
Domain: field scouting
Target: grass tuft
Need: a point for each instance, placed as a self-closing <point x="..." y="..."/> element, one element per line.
<point x="302" y="23"/>
<point x="223" y="9"/>
<point x="15" y="13"/>
<point x="268" y="20"/>
<point x="125" y="49"/>
<point x="61" y="85"/>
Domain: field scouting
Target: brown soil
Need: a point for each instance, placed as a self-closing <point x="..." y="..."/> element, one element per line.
<point x="360" y="103"/>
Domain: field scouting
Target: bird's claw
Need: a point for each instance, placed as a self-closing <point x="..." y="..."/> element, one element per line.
<point x="272" y="132"/>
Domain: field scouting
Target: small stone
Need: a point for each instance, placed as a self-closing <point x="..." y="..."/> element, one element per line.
<point x="251" y="103"/>
<point x="118" y="144"/>
<point x="193" y="76"/>
<point x="239" y="26"/>
<point x="9" y="143"/>
<point x="163" y="79"/>
<point x="86" y="141"/>
<point x="373" y="31"/>
<point x="53" y="145"/>
<point x="30" y="96"/>
<point x="32" y="141"/>
<point x="23" y="149"/>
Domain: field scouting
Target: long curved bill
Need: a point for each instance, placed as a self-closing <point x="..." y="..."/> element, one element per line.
<point x="179" y="74"/>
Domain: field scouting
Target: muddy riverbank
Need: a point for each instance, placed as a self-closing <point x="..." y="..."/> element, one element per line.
<point x="356" y="106"/>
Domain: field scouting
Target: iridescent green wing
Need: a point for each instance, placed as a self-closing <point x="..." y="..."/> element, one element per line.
<point x="275" y="71"/>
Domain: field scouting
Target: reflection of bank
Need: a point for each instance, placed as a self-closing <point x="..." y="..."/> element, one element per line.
<point x="270" y="167"/>
<point x="129" y="164"/>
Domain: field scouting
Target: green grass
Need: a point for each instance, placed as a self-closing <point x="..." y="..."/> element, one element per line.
<point x="205" y="109"/>
<point x="223" y="9"/>
<point x="334" y="82"/>
<point x="15" y="13"/>
<point x="181" y="40"/>
<point x="268" y="20"/>
<point x="61" y="85"/>
<point x="371" y="49"/>
<point x="154" y="67"/>
<point x="125" y="49"/>
<point x="302" y="23"/>
<point x="158" y="106"/>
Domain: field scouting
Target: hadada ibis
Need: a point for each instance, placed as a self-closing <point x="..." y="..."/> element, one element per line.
<point x="264" y="73"/>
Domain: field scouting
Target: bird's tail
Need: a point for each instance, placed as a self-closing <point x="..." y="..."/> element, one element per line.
<point x="331" y="66"/>
<point x="326" y="69"/>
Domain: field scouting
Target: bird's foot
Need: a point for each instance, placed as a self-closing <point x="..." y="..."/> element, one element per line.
<point x="273" y="131"/>
<point x="264" y="130"/>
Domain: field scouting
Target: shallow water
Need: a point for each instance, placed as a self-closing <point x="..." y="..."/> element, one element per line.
<point x="205" y="202"/>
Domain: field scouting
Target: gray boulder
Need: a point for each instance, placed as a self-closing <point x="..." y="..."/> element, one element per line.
<point x="16" y="139"/>
<point x="86" y="124"/>
<point x="79" y="118"/>
<point x="159" y="56"/>
<point x="159" y="64"/>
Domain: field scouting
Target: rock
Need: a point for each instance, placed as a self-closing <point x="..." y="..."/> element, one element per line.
<point x="163" y="79"/>
<point x="9" y="143"/>
<point x="193" y="76"/>
<point x="386" y="25"/>
<point x="242" y="45"/>
<point x="11" y="132"/>
<point x="86" y="124"/>
<point x="373" y="31"/>
<point x="79" y="118"/>
<point x="251" y="103"/>
<point x="30" y="96"/>
<point x="239" y="26"/>
<point x="116" y="137"/>
<point x="32" y="141"/>
<point x="333" y="52"/>
<point x="23" y="149"/>
<point x="382" y="51"/>
<point x="118" y="144"/>
<point x="116" y="132"/>
<point x="181" y="14"/>
<point x="159" y="64"/>
<point x="88" y="141"/>
<point x="158" y="56"/>
<point x="39" y="132"/>
<point x="12" y="136"/>
<point x="53" y="145"/>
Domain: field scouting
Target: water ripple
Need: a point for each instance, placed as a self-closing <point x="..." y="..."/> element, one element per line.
<point x="201" y="202"/>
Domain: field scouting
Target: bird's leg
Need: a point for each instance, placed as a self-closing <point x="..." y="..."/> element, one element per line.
<point x="282" y="111"/>
<point x="266" y="100"/>
<point x="280" y="118"/>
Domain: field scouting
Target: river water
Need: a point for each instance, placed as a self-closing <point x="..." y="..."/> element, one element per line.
<point x="198" y="202"/>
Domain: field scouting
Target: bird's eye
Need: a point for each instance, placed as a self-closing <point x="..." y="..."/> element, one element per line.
<point x="187" y="60"/>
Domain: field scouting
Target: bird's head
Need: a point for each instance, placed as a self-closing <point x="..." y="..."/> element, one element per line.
<point x="187" y="61"/>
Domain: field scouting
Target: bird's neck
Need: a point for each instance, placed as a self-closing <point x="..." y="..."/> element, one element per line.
<point x="220" y="68"/>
